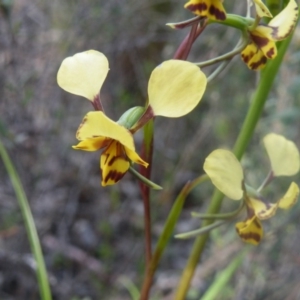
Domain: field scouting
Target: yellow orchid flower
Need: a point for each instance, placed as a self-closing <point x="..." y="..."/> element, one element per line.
<point x="212" y="9"/>
<point x="175" y="88"/>
<point x="262" y="44"/>
<point x="96" y="132"/>
<point x="226" y="173"/>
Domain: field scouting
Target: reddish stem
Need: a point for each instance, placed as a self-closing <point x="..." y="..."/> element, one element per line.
<point x="97" y="103"/>
<point x="186" y="45"/>
<point x="146" y="154"/>
<point x="181" y="53"/>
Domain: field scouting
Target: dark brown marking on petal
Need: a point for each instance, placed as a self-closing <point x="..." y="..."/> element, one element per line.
<point x="255" y="65"/>
<point x="196" y="8"/>
<point x="112" y="160"/>
<point x="106" y="157"/>
<point x="120" y="153"/>
<point x="274" y="33"/>
<point x="246" y="58"/>
<point x="270" y="53"/>
<point x="219" y="14"/>
<point x="264" y="10"/>
<point x="114" y="176"/>
<point x="250" y="236"/>
<point x="259" y="41"/>
<point x="82" y="123"/>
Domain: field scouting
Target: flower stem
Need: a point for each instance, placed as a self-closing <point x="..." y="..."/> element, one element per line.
<point x="199" y="231"/>
<point x="235" y="21"/>
<point x="146" y="172"/>
<point x="239" y="47"/>
<point x="250" y="122"/>
<point x="147" y="154"/>
<point x="167" y="233"/>
<point x="42" y="277"/>
<point x="267" y="180"/>
<point x="224" y="216"/>
<point x="143" y="179"/>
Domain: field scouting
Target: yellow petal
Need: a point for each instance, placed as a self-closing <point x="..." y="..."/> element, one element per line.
<point x="262" y="38"/>
<point x="263" y="210"/>
<point x="97" y="124"/>
<point x="250" y="231"/>
<point x="175" y="88"/>
<point x="212" y="9"/>
<point x="284" y="23"/>
<point x="290" y="198"/>
<point x="253" y="57"/>
<point x="92" y="144"/>
<point x="134" y="157"/>
<point x="113" y="164"/>
<point x="283" y="154"/>
<point x="258" y="61"/>
<point x="261" y="9"/>
<point x="83" y="74"/>
<point x="225" y="172"/>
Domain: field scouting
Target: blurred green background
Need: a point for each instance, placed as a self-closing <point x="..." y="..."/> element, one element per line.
<point x="92" y="237"/>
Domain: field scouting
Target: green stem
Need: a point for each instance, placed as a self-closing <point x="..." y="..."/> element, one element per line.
<point x="219" y="216"/>
<point x="232" y="20"/>
<point x="145" y="180"/>
<point x="267" y="180"/>
<point x="167" y="233"/>
<point x="226" y="58"/>
<point x="239" y="47"/>
<point x="29" y="224"/>
<point x="218" y="70"/>
<point x="235" y="21"/>
<point x="255" y="23"/>
<point x="199" y="231"/>
<point x="253" y="115"/>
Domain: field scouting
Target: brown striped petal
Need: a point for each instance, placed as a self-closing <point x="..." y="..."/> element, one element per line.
<point x="250" y="231"/>
<point x="263" y="210"/>
<point x="113" y="164"/>
<point x="212" y="9"/>
<point x="284" y="23"/>
<point x="253" y="57"/>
